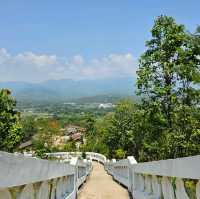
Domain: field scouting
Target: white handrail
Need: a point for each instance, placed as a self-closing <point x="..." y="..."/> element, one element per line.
<point x="28" y="177"/>
<point x="68" y="155"/>
<point x="154" y="180"/>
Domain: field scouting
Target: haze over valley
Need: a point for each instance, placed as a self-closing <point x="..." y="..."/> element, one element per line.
<point x="66" y="89"/>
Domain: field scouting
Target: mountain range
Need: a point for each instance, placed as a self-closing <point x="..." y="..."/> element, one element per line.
<point x="66" y="89"/>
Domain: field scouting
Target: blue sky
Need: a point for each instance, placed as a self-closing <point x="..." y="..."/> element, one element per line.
<point x="57" y="32"/>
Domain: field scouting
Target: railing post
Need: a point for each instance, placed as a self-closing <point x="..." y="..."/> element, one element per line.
<point x="131" y="175"/>
<point x="74" y="162"/>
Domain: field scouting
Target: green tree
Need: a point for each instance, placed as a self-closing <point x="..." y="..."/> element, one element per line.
<point x="10" y="127"/>
<point x="70" y="146"/>
<point x="120" y="133"/>
<point x="89" y="124"/>
<point x="120" y="154"/>
<point x="157" y="74"/>
<point x="29" y="127"/>
<point x="167" y="73"/>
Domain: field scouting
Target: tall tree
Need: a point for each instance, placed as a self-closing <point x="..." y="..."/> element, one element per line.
<point x="157" y="77"/>
<point x="187" y="118"/>
<point x="166" y="76"/>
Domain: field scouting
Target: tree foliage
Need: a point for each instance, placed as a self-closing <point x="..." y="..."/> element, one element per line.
<point x="168" y="79"/>
<point x="10" y="127"/>
<point x="29" y="127"/>
<point x="165" y="123"/>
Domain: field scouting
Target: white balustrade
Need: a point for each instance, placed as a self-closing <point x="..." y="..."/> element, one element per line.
<point x="68" y="155"/>
<point x="32" y="178"/>
<point x="158" y="179"/>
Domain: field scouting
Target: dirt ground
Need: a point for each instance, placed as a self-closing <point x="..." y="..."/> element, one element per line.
<point x="100" y="185"/>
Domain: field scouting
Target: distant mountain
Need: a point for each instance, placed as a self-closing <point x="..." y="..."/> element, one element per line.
<point x="67" y="89"/>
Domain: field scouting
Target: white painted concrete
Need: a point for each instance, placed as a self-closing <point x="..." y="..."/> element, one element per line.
<point x="68" y="155"/>
<point x="32" y="178"/>
<point x="152" y="180"/>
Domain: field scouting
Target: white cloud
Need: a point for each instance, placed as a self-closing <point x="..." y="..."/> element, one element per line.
<point x="37" y="60"/>
<point x="32" y="67"/>
<point x="77" y="60"/>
